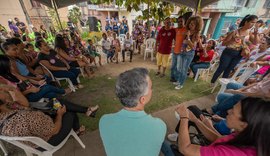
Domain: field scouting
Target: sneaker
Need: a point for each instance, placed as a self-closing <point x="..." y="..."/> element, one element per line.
<point x="176" y="83"/>
<point x="173" y="136"/>
<point x="157" y="73"/>
<point x="178" y="87"/>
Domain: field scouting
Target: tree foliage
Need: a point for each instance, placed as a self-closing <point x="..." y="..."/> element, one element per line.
<point x="75" y="14"/>
<point x="54" y="19"/>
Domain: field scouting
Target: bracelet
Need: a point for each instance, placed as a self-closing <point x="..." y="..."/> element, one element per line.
<point x="184" y="117"/>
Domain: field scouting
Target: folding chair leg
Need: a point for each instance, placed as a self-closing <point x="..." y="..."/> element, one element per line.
<point x="152" y="56"/>
<point x="71" y="86"/>
<point x="82" y="72"/>
<point x="78" y="139"/>
<point x="2" y="146"/>
<point x="197" y="75"/>
<point x="144" y="56"/>
<point x="215" y="86"/>
<point x="78" y="79"/>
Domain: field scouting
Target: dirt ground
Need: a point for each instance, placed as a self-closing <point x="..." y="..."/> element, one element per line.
<point x="113" y="69"/>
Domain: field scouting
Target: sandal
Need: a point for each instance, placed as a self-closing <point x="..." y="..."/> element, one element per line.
<point x="91" y="111"/>
<point x="81" y="130"/>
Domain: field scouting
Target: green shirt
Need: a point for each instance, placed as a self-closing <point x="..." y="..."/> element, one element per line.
<point x="132" y="133"/>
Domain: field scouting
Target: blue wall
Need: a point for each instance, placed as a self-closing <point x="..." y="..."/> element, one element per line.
<point x="223" y="23"/>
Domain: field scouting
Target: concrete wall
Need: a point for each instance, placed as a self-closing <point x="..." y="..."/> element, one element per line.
<point x="10" y="9"/>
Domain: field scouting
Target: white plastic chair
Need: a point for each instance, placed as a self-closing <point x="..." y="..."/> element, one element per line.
<point x="248" y="71"/>
<point x="122" y="36"/>
<point x="150" y="47"/>
<point x="50" y="149"/>
<point x="206" y="71"/>
<point x="71" y="86"/>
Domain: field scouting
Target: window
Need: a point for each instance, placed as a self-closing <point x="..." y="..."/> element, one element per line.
<point x="35" y="4"/>
<point x="227" y="24"/>
<point x="267" y="4"/>
<point x="240" y="3"/>
<point x="251" y="3"/>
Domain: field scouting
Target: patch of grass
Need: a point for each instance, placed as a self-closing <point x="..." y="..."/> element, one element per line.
<point x="100" y="90"/>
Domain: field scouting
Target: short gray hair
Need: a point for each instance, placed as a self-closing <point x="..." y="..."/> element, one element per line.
<point x="131" y="85"/>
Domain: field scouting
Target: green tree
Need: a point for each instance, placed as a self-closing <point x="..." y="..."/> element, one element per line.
<point x="55" y="21"/>
<point x="74" y="15"/>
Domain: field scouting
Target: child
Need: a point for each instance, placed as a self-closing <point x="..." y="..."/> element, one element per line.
<point x="93" y="53"/>
<point x="116" y="46"/>
<point x="31" y="51"/>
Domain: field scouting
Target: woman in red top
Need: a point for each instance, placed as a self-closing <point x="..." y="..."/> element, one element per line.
<point x="205" y="57"/>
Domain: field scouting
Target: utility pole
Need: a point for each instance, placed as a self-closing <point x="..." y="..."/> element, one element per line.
<point x="25" y="12"/>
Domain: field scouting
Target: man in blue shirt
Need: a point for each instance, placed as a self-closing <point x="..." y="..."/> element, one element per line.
<point x="108" y="26"/>
<point x="235" y="25"/>
<point x="132" y="132"/>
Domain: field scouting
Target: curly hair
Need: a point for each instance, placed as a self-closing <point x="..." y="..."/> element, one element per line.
<point x="198" y="23"/>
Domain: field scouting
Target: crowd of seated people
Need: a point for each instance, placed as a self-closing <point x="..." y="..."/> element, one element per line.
<point x="237" y="125"/>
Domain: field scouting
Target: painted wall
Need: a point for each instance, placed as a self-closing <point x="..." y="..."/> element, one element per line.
<point x="10" y="9"/>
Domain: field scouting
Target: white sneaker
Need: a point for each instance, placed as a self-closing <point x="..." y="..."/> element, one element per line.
<point x="176" y="83"/>
<point x="178" y="87"/>
<point x="173" y="136"/>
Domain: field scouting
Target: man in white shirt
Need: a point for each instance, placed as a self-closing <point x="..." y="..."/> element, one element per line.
<point x="107" y="47"/>
<point x="127" y="47"/>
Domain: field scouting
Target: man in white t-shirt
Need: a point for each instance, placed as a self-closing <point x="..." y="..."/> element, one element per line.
<point x="127" y="47"/>
<point x="107" y="47"/>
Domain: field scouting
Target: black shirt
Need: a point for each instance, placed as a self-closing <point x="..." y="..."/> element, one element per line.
<point x="21" y="24"/>
<point x="52" y="58"/>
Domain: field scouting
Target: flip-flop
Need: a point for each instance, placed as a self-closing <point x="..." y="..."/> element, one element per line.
<point x="81" y="130"/>
<point x="92" y="112"/>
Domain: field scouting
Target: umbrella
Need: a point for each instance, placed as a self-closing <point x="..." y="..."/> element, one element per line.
<point x="59" y="3"/>
<point x="196" y="4"/>
<point x="193" y="3"/>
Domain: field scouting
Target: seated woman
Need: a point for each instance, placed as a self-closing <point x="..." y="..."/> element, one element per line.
<point x="205" y="58"/>
<point x="235" y="92"/>
<point x="18" y="67"/>
<point x="248" y="139"/>
<point x="66" y="51"/>
<point x="38" y="124"/>
<point x="16" y="101"/>
<point x="264" y="63"/>
<point x="56" y="64"/>
<point x="33" y="92"/>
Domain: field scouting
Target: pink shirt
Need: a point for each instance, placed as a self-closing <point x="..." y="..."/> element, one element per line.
<point x="264" y="69"/>
<point x="226" y="150"/>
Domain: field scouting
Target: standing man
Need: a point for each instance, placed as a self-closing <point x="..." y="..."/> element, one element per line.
<point x="132" y="132"/>
<point x="180" y="34"/>
<point x="235" y="25"/>
<point x="20" y="25"/>
<point x="164" y="46"/>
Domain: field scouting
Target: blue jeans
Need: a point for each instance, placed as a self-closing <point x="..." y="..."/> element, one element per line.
<point x="222" y="128"/>
<point x="166" y="148"/>
<point x="72" y="74"/>
<point x="175" y="66"/>
<point x="226" y="100"/>
<point x="201" y="65"/>
<point x="228" y="60"/>
<point x="184" y="62"/>
<point x="46" y="91"/>
<point x="109" y="53"/>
